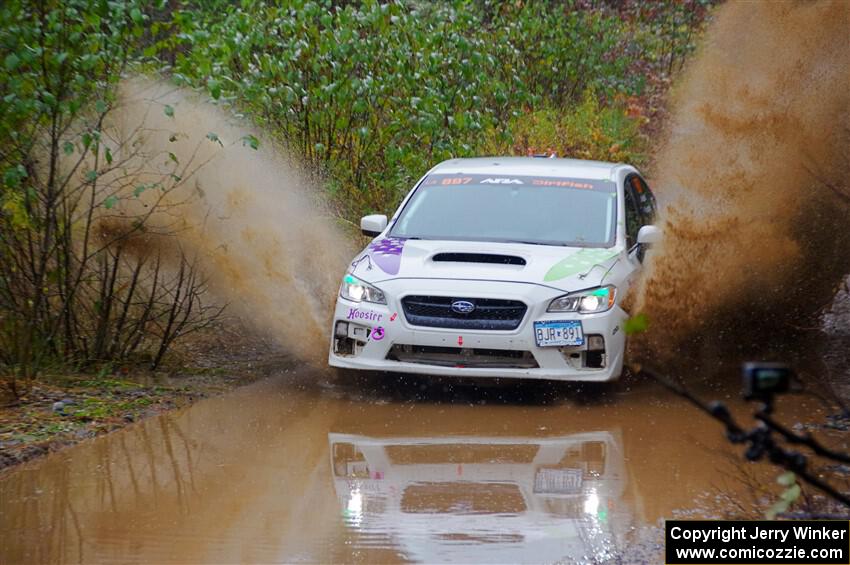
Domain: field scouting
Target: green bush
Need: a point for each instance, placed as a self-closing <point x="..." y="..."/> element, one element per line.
<point x="372" y="94"/>
<point x="586" y="130"/>
<point x="75" y="285"/>
<point x="60" y="64"/>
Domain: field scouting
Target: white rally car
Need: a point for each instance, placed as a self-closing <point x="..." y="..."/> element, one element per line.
<point x="499" y="267"/>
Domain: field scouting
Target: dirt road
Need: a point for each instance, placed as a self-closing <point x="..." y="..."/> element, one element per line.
<point x="304" y="468"/>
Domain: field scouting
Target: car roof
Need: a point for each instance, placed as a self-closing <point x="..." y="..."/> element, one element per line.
<point x="554" y="167"/>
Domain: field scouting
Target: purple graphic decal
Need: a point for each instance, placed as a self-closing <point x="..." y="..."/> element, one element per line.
<point x="378" y="333"/>
<point x="387" y="254"/>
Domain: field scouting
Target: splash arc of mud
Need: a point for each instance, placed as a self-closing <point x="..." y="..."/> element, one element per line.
<point x="263" y="238"/>
<point x="754" y="238"/>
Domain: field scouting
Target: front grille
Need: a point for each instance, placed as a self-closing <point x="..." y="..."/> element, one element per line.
<point x="471" y="358"/>
<point x="489" y="313"/>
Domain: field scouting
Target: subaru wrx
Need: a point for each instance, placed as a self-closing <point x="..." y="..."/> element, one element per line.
<point x="511" y="267"/>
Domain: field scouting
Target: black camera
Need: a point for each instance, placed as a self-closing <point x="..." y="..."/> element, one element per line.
<point x="763" y="380"/>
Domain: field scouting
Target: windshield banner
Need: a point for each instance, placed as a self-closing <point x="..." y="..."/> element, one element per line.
<point x="459" y="179"/>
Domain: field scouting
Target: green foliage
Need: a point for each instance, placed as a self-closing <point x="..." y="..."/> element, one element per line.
<point x="666" y="29"/>
<point x="68" y="291"/>
<point x="60" y="58"/>
<point x="638" y="323"/>
<point x="102" y="408"/>
<point x="585" y="130"/>
<point x="788" y="497"/>
<point x="251" y="141"/>
<point x="372" y="94"/>
<point x="61" y="62"/>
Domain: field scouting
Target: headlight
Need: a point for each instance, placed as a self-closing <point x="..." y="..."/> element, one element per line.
<point x="588" y="301"/>
<point x="359" y="291"/>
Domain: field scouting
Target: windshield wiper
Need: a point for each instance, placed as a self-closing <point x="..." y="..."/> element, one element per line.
<point x="533" y="242"/>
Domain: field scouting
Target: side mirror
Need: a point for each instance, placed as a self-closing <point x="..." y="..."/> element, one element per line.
<point x="648" y="235"/>
<point x="373" y="225"/>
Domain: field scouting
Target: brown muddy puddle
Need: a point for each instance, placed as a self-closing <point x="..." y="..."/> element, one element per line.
<point x="300" y="469"/>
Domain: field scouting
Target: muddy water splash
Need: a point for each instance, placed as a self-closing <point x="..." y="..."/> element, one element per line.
<point x="264" y="240"/>
<point x="755" y="237"/>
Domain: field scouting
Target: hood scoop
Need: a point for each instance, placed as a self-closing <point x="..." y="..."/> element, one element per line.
<point x="490" y="258"/>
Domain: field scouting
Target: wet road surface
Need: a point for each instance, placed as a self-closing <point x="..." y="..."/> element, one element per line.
<point x="305" y="468"/>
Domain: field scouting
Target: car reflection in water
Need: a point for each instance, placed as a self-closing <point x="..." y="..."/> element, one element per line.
<point x="486" y="499"/>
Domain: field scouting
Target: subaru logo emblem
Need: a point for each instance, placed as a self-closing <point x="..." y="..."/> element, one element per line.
<point x="462" y="306"/>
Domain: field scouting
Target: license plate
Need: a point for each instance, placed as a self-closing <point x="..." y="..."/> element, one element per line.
<point x="551" y="334"/>
<point x="557" y="481"/>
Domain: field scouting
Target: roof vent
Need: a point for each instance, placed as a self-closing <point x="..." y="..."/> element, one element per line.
<point x="479" y="258"/>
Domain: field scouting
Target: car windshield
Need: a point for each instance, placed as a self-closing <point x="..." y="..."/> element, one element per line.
<point x="522" y="209"/>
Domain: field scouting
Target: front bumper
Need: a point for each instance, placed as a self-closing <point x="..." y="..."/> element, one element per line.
<point x="379" y="337"/>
